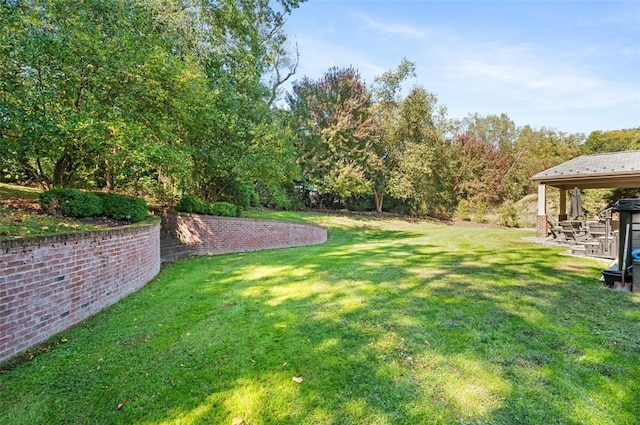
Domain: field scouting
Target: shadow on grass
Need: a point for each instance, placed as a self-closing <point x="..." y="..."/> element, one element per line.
<point x="8" y="191"/>
<point x="384" y="326"/>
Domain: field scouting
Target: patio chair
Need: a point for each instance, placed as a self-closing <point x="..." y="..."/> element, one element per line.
<point x="556" y="231"/>
<point x="596" y="229"/>
<point x="572" y="234"/>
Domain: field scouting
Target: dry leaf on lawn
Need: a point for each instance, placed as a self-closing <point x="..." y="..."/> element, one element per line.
<point x="298" y="379"/>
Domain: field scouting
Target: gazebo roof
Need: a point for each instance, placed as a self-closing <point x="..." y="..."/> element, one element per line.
<point x="608" y="170"/>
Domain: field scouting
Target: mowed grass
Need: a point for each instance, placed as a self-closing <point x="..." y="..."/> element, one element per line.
<point x="14" y="191"/>
<point x="389" y="322"/>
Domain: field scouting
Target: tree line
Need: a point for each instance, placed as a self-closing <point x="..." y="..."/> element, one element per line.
<point x="185" y="97"/>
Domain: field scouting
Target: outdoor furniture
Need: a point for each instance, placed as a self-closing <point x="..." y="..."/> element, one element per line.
<point x="572" y="233"/>
<point x="556" y="230"/>
<point x="596" y="229"/>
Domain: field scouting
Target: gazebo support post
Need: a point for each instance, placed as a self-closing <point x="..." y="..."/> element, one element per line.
<point x="562" y="213"/>
<point x="542" y="228"/>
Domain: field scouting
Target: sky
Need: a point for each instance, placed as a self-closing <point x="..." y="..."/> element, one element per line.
<point x="571" y="66"/>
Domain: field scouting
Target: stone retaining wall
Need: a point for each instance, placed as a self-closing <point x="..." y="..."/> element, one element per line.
<point x="48" y="284"/>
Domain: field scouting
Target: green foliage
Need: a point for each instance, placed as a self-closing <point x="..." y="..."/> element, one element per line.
<point x="71" y="202"/>
<point x="612" y="141"/>
<point x="463" y="210"/>
<point x="360" y="203"/>
<point x="225" y="209"/>
<point x="533" y="152"/>
<point x="508" y="216"/>
<point x="279" y="197"/>
<point x="422" y="174"/>
<point x="244" y="194"/>
<point x="122" y="207"/>
<point x="497" y="131"/>
<point x="334" y="126"/>
<point x="192" y="204"/>
<point x="105" y="93"/>
<point x="480" y="212"/>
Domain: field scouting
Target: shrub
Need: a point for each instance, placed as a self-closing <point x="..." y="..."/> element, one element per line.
<point x="244" y="193"/>
<point x="480" y="215"/>
<point x="509" y="216"/>
<point x="225" y="209"/>
<point x="192" y="204"/>
<point x="122" y="207"/>
<point x="71" y="202"/>
<point x="463" y="211"/>
<point x="275" y="196"/>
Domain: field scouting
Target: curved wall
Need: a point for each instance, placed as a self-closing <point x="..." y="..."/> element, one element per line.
<point x="48" y="284"/>
<point x="208" y="235"/>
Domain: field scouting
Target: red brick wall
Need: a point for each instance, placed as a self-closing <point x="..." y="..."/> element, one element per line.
<point x="51" y="283"/>
<point x="220" y="235"/>
<point x="542" y="228"/>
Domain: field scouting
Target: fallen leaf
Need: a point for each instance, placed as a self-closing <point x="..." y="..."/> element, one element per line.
<point x="298" y="379"/>
<point x="237" y="421"/>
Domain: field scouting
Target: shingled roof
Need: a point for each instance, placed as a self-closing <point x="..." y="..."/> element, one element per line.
<point x="617" y="169"/>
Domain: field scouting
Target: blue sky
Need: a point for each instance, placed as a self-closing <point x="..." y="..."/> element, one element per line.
<point x="572" y="66"/>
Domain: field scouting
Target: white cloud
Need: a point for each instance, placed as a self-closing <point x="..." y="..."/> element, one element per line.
<point x="392" y="29"/>
<point x="555" y="80"/>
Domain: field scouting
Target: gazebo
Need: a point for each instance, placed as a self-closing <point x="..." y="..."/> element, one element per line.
<point x="599" y="171"/>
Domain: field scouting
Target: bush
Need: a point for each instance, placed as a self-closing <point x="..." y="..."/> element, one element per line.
<point x="225" y="209"/>
<point x="70" y="202"/>
<point x="244" y="193"/>
<point x="275" y="196"/>
<point x="122" y="207"/>
<point x="480" y="215"/>
<point x="509" y="216"/>
<point x="463" y="211"/>
<point x="192" y="205"/>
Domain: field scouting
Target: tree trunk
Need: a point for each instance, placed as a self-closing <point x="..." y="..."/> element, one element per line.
<point x="63" y="171"/>
<point x="378" y="197"/>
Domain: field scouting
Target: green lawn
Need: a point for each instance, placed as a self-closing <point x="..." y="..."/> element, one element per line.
<point x="14" y="191"/>
<point x="389" y="322"/>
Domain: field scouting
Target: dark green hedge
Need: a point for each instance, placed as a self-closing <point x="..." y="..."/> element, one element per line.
<point x="192" y="205"/>
<point x="78" y="204"/>
<point x="225" y="209"/>
<point x="71" y="202"/>
<point x="123" y="207"/>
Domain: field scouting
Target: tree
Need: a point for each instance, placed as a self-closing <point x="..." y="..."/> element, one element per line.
<point x="103" y="92"/>
<point x="387" y="88"/>
<point x="334" y="129"/>
<point x="612" y="141"/>
<point x="479" y="170"/>
<point x="535" y="151"/>
<point x="499" y="131"/>
<point x="422" y="176"/>
<point x="90" y="83"/>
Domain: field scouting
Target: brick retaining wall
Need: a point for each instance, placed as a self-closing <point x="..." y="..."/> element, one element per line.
<point x="207" y="235"/>
<point x="48" y="284"/>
